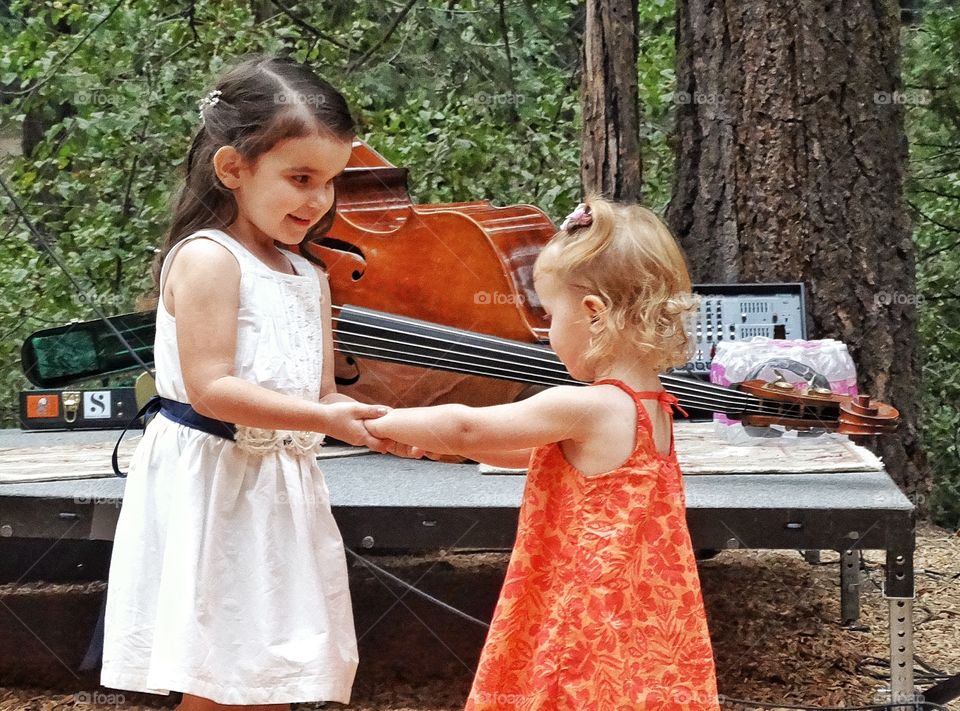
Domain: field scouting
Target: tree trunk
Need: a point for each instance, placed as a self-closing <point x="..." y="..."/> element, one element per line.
<point x="610" y="152"/>
<point x="790" y="167"/>
<point x="262" y="10"/>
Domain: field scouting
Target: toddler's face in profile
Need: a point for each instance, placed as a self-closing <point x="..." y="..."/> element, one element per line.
<point x="569" y="323"/>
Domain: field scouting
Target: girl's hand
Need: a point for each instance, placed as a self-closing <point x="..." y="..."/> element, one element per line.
<point x="344" y="421"/>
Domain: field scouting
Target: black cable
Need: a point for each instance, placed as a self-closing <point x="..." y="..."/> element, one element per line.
<point x="724" y="699"/>
<point x="417" y="591"/>
<point x="926" y="673"/>
<point x="929" y="669"/>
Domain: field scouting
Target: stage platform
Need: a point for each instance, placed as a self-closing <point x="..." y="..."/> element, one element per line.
<point x="821" y="494"/>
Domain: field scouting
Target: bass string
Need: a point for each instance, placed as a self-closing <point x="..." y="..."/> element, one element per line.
<point x="540" y="352"/>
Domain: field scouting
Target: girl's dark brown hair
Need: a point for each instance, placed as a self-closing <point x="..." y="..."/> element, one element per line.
<point x="262" y="100"/>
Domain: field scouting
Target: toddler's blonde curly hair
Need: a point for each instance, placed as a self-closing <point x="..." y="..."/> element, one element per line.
<point x="627" y="257"/>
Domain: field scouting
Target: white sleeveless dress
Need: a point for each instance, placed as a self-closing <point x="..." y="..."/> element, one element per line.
<point x="228" y="578"/>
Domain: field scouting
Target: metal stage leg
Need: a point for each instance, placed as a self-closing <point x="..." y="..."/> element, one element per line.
<point x="849" y="586"/>
<point x="898" y="589"/>
<point x="901" y="653"/>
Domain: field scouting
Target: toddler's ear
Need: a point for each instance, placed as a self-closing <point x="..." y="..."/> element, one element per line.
<point x="227" y="163"/>
<point x="595" y="309"/>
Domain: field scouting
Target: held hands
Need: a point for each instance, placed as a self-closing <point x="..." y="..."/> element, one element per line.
<point x="345" y="422"/>
<point x="390" y="427"/>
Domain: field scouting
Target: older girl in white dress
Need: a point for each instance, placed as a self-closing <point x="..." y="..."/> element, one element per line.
<point x="228" y="580"/>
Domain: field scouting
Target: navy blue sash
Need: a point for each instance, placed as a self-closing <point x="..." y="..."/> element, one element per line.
<point x="181" y="413"/>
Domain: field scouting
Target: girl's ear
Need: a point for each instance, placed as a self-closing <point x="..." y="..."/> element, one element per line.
<point x="227" y="163"/>
<point x="595" y="309"/>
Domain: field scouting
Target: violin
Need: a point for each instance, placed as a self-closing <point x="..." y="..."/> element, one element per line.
<point x="55" y="357"/>
<point x="466" y="264"/>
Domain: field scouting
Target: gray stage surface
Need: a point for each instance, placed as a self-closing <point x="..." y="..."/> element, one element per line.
<point x="383" y="503"/>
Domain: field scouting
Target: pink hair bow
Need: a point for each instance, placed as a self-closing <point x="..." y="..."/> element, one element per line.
<point x="580" y="217"/>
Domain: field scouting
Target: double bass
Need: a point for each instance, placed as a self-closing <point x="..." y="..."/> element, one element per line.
<point x="435" y="304"/>
<point x="467" y="264"/>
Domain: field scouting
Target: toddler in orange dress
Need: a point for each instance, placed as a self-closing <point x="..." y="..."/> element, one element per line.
<point x="601" y="607"/>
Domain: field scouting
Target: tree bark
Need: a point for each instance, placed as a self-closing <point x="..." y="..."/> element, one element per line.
<point x="790" y="167"/>
<point x="610" y="152"/>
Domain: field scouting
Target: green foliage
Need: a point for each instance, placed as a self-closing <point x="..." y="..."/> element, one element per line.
<point x="112" y="116"/>
<point x="469" y="122"/>
<point x="475" y="104"/>
<point x="656" y="82"/>
<point x="932" y="98"/>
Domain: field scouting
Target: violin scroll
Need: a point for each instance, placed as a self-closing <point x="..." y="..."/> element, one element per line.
<point x="819" y="408"/>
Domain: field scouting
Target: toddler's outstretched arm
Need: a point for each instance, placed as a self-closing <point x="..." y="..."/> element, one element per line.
<point x="560" y="413"/>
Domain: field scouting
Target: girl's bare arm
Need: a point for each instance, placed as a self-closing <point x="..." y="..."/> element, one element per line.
<point x="205" y="282"/>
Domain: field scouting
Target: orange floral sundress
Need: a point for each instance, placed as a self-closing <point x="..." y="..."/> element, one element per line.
<point x="601" y="607"/>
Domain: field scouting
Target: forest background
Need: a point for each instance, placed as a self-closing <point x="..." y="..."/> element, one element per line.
<point x="478" y="99"/>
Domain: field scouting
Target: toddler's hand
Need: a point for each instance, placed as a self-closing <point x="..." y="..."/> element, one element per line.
<point x="445" y="458"/>
<point x="404" y="450"/>
<point x="391" y="446"/>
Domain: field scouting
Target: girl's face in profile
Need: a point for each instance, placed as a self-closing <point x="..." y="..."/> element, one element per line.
<point x="569" y="323"/>
<point x="289" y="188"/>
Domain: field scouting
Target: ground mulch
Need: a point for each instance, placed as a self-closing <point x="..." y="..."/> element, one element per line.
<point x="774" y="620"/>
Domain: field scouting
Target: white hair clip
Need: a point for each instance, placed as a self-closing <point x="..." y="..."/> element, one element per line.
<point x="580" y="217"/>
<point x="211" y="99"/>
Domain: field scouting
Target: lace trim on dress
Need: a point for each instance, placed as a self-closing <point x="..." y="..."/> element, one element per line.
<point x="259" y="441"/>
